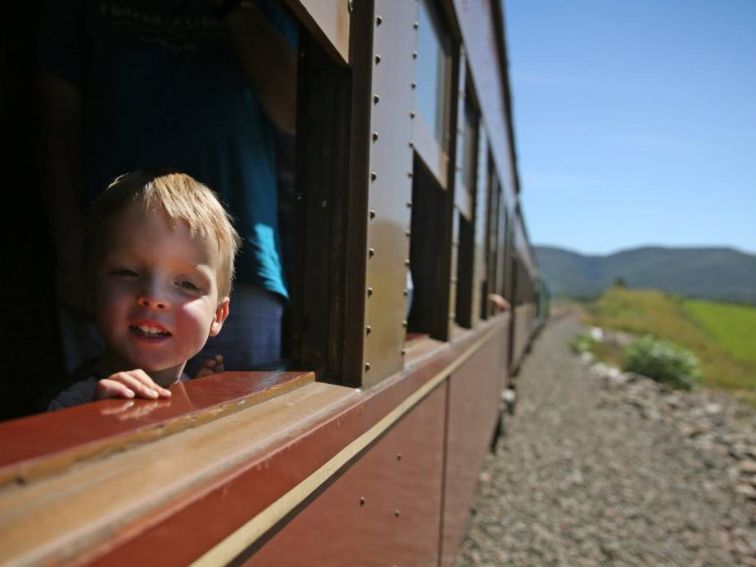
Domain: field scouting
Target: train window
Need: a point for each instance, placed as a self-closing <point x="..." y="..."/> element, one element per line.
<point x="465" y="211"/>
<point x="433" y="92"/>
<point x="502" y="268"/>
<point x="429" y="248"/>
<point x="489" y="284"/>
<point x="434" y="222"/>
<point x="433" y="66"/>
<point x="302" y="219"/>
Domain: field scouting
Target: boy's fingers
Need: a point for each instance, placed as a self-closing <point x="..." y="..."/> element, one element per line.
<point x="108" y="388"/>
<point x="142" y="376"/>
<point x="140" y="384"/>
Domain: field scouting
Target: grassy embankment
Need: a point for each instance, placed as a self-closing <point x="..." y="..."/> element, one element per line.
<point x="722" y="335"/>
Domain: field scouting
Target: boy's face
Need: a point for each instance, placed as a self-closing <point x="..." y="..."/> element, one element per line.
<point x="156" y="293"/>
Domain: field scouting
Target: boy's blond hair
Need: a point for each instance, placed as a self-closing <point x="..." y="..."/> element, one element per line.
<point x="180" y="197"/>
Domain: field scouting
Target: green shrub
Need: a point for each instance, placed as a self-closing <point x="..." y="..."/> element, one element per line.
<point x="662" y="361"/>
<point x="582" y="343"/>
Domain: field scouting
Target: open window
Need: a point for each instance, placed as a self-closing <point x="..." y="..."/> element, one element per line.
<point x="433" y="92"/>
<point x="492" y="251"/>
<point x="432" y="223"/>
<point x="465" y="210"/>
<point x="311" y="170"/>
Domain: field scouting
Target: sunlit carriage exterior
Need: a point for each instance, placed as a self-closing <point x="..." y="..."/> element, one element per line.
<point x="369" y="455"/>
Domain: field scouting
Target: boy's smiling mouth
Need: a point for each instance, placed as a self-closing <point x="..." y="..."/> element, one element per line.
<point x="149" y="331"/>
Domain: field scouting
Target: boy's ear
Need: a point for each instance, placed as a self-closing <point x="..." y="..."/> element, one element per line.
<point x="221" y="312"/>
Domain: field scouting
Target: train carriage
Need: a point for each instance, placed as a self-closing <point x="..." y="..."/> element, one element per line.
<point x="364" y="447"/>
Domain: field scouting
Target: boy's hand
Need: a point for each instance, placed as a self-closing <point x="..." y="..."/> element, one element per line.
<point x="130" y="384"/>
<point x="499" y="302"/>
<point x="210" y="366"/>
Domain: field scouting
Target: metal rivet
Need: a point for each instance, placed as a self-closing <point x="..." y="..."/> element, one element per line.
<point x="370" y="291"/>
<point x="368" y="329"/>
<point x="415" y="25"/>
<point x="409" y="174"/>
<point x="362" y="500"/>
<point x="407" y="233"/>
<point x="371" y="252"/>
<point x="403" y="352"/>
<point x="371" y="214"/>
<point x="378" y="20"/>
<point x="411" y="145"/>
<point x="376" y="98"/>
<point x="404" y="323"/>
<point x="373" y="176"/>
<point x="367" y="366"/>
<point x="377" y="59"/>
<point x="414" y="55"/>
<point x="407" y="262"/>
<point x="375" y="136"/>
<point x="398" y="456"/>
<point x="413" y="84"/>
<point x="409" y="204"/>
<point x="396" y="513"/>
<point x="406" y="292"/>
<point x="412" y="114"/>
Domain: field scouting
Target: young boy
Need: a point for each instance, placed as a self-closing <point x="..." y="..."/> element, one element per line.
<point x="159" y="267"/>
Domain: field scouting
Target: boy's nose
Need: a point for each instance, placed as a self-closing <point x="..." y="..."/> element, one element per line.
<point x="151" y="303"/>
<point x="151" y="298"/>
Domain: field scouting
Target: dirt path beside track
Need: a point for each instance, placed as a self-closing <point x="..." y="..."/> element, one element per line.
<point x="584" y="477"/>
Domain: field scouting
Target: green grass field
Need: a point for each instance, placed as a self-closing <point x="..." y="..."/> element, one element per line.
<point x="722" y="335"/>
<point x="732" y="326"/>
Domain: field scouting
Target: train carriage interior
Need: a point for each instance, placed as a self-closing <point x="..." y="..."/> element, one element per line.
<point x="413" y="297"/>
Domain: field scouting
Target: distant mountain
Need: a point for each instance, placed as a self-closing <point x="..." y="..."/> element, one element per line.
<point x="722" y="274"/>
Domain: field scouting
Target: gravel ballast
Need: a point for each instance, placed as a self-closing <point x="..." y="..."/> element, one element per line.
<point x="601" y="468"/>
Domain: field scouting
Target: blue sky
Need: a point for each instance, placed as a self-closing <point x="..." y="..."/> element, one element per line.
<point x="635" y="121"/>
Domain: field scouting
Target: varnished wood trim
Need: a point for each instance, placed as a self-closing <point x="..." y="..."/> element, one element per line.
<point x="46" y="444"/>
<point x="80" y="515"/>
<point x="243" y="537"/>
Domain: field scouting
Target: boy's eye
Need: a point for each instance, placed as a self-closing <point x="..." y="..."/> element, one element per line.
<point x="189" y="285"/>
<point x="124" y="272"/>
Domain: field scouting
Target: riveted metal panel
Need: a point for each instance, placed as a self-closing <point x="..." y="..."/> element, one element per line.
<point x="390" y="192"/>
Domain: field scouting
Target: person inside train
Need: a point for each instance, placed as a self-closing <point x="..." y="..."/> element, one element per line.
<point x="203" y="87"/>
<point x="159" y="267"/>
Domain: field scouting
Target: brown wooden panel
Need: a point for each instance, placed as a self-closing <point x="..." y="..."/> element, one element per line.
<point x="503" y="352"/>
<point x="473" y="407"/>
<point x="384" y="510"/>
<point x="91" y="510"/>
<point x="47" y="443"/>
<point x="328" y="21"/>
<point x="390" y="190"/>
<point x="249" y="468"/>
<point x="320" y="280"/>
<point x="521" y="333"/>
